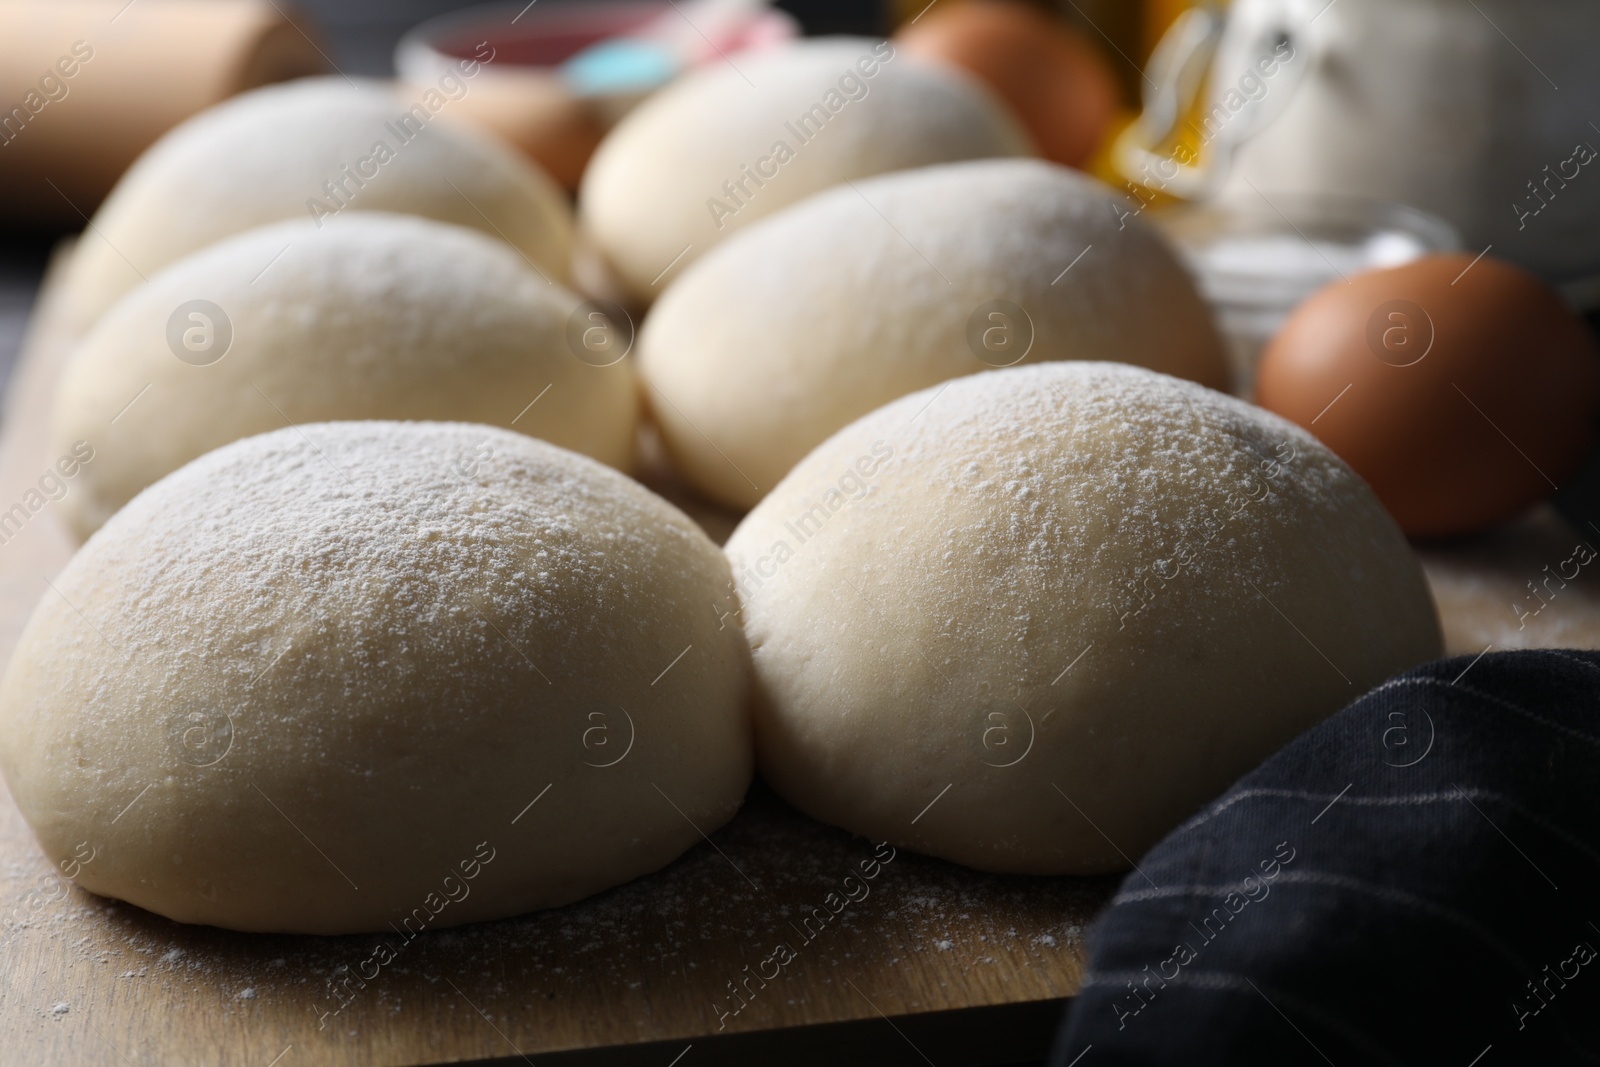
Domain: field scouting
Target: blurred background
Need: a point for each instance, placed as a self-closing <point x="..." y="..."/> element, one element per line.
<point x="1282" y="146"/>
<point x="356" y="37"/>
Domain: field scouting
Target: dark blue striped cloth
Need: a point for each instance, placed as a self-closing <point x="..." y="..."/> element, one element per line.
<point x="1414" y="881"/>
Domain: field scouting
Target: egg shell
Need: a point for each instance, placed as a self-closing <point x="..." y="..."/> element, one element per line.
<point x="1463" y="391"/>
<point x="1056" y="82"/>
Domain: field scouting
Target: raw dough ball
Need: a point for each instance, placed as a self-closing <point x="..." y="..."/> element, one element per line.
<point x="1031" y="622"/>
<point x="863" y="295"/>
<point x="310" y="681"/>
<point x="724" y="147"/>
<point x="374" y="317"/>
<point x="301" y="150"/>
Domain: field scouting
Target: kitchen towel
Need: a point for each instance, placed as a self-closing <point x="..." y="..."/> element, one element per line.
<point x="1414" y="881"/>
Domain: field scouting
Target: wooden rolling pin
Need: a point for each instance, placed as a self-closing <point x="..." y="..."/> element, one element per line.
<point x="86" y="86"/>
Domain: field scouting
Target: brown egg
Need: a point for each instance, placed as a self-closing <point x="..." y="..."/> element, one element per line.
<point x="1058" y="84"/>
<point x="1462" y="392"/>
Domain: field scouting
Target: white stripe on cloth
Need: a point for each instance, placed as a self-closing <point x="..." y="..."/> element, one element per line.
<point x="1355" y="885"/>
<point x="1403" y="800"/>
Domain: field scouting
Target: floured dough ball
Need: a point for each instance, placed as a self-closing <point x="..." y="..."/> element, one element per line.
<point x="312" y="149"/>
<point x="350" y="675"/>
<point x="373" y="316"/>
<point x="729" y="144"/>
<point x="1030" y="622"/>
<point x="859" y="296"/>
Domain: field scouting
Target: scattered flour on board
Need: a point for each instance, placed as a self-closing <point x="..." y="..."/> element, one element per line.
<point x="616" y="948"/>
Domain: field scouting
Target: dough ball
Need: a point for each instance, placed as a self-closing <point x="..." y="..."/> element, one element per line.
<point x="859" y="296"/>
<point x="728" y="145"/>
<point x="307" y="149"/>
<point x="348" y="675"/>
<point x="1031" y="621"/>
<point x="371" y="316"/>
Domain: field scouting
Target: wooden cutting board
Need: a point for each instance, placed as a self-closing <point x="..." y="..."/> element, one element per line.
<point x="635" y="975"/>
<point x="937" y="964"/>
